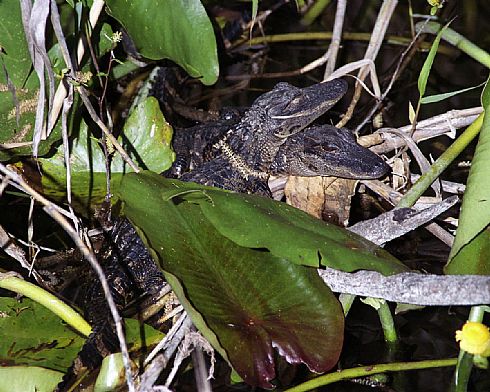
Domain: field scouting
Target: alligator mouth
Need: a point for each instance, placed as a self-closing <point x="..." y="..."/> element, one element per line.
<point x="370" y="167"/>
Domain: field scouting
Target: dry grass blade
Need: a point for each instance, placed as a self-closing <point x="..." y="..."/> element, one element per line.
<point x="377" y="36"/>
<point x="34" y="18"/>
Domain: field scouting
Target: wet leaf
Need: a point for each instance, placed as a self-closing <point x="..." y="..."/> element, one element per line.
<point x="245" y="301"/>
<point x="31" y="335"/>
<point x="471" y="248"/>
<point x="174" y="29"/>
<point x="147" y="139"/>
<point x="28" y="378"/>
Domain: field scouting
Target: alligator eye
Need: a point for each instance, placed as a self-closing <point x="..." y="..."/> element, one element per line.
<point x="329" y="148"/>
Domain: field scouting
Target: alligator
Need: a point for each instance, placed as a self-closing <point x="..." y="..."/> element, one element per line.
<point x="259" y="130"/>
<point x="270" y="139"/>
<point x="238" y="154"/>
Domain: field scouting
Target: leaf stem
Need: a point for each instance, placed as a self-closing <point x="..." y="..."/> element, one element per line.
<point x="458" y="41"/>
<point x="363" y="371"/>
<point x="315" y="10"/>
<point x="387" y="323"/>
<point x="43" y="297"/>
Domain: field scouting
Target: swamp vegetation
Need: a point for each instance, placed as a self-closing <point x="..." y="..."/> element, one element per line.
<point x="377" y="284"/>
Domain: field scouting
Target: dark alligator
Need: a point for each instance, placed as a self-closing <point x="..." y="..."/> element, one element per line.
<point x="259" y="130"/>
<point x="237" y="154"/>
<point x="240" y="154"/>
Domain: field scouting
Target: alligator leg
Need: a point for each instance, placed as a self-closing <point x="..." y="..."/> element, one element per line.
<point x="130" y="272"/>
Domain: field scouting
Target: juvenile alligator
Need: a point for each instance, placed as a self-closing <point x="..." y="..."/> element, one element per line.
<point x="260" y="130"/>
<point x="238" y="155"/>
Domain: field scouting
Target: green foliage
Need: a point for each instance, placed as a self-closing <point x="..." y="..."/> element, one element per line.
<point x="470" y="253"/>
<point x="291" y="233"/>
<point x="111" y="375"/>
<point x="251" y="299"/>
<point x="16" y="63"/>
<point x="175" y="29"/>
<point x="147" y="139"/>
<point x="33" y="337"/>
<point x="45" y="298"/>
<point x="247" y="296"/>
<point x="424" y="73"/>
<point x="28" y="378"/>
<point x="443" y="96"/>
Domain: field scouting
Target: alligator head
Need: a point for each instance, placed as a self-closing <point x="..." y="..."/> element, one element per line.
<point x="286" y="109"/>
<point x="327" y="151"/>
<point x="277" y="115"/>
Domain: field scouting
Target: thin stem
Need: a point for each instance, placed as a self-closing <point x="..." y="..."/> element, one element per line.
<point x="377" y="36"/>
<point x="315" y="10"/>
<point x="363" y="371"/>
<point x="334" y="47"/>
<point x="441" y="163"/>
<point x="387" y="323"/>
<point x="84" y="95"/>
<point x="43" y="297"/>
<point x="459" y="41"/>
<point x="326" y="36"/>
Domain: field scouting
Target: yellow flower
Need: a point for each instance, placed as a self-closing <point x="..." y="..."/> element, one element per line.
<point x="474" y="338"/>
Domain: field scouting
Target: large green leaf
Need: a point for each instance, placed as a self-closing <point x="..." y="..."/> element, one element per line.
<point x="471" y="249"/>
<point x="245" y="301"/>
<point x="179" y="30"/>
<point x="28" y="379"/>
<point x="147" y="139"/>
<point x="34" y="336"/>
<point x="257" y="222"/>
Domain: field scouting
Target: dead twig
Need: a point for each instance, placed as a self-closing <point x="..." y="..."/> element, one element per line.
<point x="412" y="288"/>
<point x="334" y="46"/>
<point x="372" y="50"/>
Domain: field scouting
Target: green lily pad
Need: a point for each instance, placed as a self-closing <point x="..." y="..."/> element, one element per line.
<point x="256" y="222"/>
<point x="245" y="301"/>
<point x="260" y="223"/>
<point x="34" y="336"/>
<point x="28" y="379"/>
<point x="179" y="30"/>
